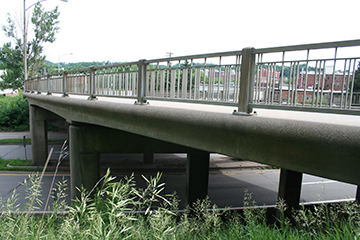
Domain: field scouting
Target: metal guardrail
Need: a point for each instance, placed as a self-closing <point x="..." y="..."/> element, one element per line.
<point x="312" y="77"/>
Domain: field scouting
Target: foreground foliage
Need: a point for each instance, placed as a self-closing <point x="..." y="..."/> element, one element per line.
<point x="112" y="212"/>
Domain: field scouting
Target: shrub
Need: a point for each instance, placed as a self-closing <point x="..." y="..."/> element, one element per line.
<point x="14" y="113"/>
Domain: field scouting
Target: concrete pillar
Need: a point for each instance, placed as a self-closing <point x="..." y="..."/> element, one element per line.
<point x="357" y="197"/>
<point x="84" y="162"/>
<point x="38" y="133"/>
<point x="290" y="189"/>
<point x="197" y="175"/>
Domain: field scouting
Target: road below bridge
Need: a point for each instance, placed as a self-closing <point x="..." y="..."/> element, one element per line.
<point x="226" y="188"/>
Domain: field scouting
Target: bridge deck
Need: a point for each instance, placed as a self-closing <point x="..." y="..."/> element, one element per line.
<point x="325" y="145"/>
<point x="339" y="119"/>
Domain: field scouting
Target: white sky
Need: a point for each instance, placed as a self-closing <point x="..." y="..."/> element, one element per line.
<point x="129" y="30"/>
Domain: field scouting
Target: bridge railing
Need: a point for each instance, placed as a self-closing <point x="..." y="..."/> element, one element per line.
<point x="312" y="77"/>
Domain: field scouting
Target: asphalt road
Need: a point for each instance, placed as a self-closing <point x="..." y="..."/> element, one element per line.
<point x="227" y="183"/>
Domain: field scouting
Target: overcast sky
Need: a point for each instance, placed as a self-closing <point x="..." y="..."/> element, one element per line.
<point x="129" y="30"/>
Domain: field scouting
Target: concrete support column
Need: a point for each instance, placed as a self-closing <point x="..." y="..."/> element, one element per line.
<point x="38" y="133"/>
<point x="357" y="197"/>
<point x="84" y="161"/>
<point x="197" y="176"/>
<point x="290" y="189"/>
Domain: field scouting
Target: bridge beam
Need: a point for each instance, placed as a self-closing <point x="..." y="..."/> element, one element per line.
<point x="197" y="175"/>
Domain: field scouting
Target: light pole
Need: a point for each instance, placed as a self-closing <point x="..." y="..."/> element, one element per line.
<point x="59" y="60"/>
<point x="25" y="43"/>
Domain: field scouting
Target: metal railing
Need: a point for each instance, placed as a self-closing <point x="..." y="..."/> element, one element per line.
<point x="313" y="77"/>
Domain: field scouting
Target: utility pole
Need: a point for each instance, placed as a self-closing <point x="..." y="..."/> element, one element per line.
<point x="168" y="54"/>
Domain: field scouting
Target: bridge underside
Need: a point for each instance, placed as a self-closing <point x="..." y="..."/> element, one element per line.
<point x="325" y="150"/>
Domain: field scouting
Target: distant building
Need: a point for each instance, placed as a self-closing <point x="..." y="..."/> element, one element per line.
<point x="325" y="80"/>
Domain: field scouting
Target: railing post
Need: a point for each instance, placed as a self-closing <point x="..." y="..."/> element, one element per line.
<point x="32" y="86"/>
<point x="92" y="84"/>
<point x="38" y="85"/>
<point x="246" y="82"/>
<point x="48" y="85"/>
<point x="65" y="84"/>
<point x="141" y="91"/>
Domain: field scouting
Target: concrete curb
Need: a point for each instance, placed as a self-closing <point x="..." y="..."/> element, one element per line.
<point x="148" y="167"/>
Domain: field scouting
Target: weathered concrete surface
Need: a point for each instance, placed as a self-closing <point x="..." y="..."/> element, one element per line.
<point x="322" y="149"/>
<point x="38" y="131"/>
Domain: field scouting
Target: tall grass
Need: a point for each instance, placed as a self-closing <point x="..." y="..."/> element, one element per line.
<point x="120" y="210"/>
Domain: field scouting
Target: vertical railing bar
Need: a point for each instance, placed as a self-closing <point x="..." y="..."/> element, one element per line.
<point x="236" y="78"/>
<point x="348" y="85"/>
<point x="203" y="96"/>
<point x="289" y="84"/>
<point x="306" y="76"/>
<point x="190" y="80"/>
<point x="259" y="83"/>
<point x="315" y="84"/>
<point x="162" y="83"/>
<point x="157" y="80"/>
<point x="126" y="83"/>
<point x="333" y="80"/>
<point x="282" y="77"/>
<point x="352" y="84"/>
<point x="167" y="79"/>
<point x="172" y="83"/>
<point x="342" y="85"/>
<point x="267" y="99"/>
<point x="257" y="79"/>
<point x="296" y="82"/>
<point x="178" y="81"/>
<point x="219" y="79"/>
<point x="273" y="84"/>
<point x="322" y="83"/>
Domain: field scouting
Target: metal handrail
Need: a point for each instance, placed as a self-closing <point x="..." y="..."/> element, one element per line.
<point x="226" y="78"/>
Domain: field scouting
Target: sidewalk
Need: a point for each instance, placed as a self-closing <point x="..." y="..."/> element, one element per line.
<point x="51" y="135"/>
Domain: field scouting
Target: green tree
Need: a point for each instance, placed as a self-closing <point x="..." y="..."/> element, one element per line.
<point x="44" y="27"/>
<point x="12" y="61"/>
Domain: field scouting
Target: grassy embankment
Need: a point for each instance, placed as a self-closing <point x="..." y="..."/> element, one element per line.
<point x="112" y="214"/>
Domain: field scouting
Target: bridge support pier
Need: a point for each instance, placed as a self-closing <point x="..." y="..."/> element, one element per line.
<point x="197" y="175"/>
<point x="290" y="189"/>
<point x="38" y="133"/>
<point x="84" y="164"/>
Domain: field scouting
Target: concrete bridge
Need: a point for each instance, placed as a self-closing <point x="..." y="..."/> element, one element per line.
<point x="173" y="113"/>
